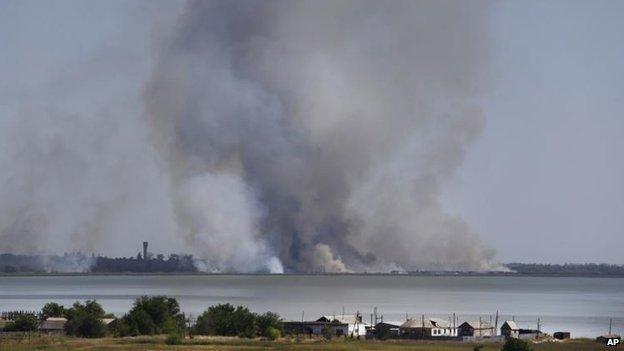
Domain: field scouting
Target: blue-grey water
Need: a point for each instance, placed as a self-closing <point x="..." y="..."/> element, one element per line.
<point x="580" y="305"/>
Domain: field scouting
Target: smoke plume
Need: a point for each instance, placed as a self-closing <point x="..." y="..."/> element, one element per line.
<point x="319" y="132"/>
<point x="308" y="136"/>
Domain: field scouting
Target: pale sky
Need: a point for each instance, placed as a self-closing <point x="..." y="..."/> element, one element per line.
<point x="544" y="181"/>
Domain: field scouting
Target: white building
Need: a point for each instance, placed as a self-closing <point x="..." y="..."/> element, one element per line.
<point x="356" y="327"/>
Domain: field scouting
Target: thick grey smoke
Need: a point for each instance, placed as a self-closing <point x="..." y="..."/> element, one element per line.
<point x="309" y="136"/>
<point x="316" y="134"/>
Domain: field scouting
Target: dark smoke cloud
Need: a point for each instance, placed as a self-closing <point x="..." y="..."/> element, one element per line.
<point x="316" y="134"/>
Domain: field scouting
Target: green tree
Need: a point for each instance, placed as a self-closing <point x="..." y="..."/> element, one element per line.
<point x="53" y="309"/>
<point x="84" y="320"/>
<point x="228" y="320"/>
<point x="151" y="315"/>
<point x="513" y="344"/>
<point x="24" y="323"/>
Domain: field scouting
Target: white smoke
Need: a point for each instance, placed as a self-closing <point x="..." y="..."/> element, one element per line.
<point x="221" y="217"/>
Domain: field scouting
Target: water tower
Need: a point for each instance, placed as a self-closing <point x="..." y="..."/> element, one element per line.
<point x="145" y="250"/>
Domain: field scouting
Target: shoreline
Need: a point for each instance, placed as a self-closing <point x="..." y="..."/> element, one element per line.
<point x="421" y="274"/>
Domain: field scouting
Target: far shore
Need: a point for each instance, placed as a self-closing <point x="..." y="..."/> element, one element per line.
<point x="411" y="274"/>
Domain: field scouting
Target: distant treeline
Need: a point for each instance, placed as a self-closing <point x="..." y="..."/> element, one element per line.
<point x="82" y="263"/>
<point x="585" y="269"/>
<point x="174" y="263"/>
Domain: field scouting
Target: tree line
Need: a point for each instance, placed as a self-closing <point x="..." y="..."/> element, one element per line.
<point x="592" y="269"/>
<point x="152" y="315"/>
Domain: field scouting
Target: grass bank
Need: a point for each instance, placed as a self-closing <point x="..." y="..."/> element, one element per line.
<point x="48" y="343"/>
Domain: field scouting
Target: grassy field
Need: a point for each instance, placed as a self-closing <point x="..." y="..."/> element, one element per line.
<point x="158" y="343"/>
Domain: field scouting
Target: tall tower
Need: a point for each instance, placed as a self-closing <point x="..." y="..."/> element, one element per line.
<point x="145" y="250"/>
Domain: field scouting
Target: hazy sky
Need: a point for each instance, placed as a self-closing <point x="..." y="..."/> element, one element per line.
<point x="543" y="182"/>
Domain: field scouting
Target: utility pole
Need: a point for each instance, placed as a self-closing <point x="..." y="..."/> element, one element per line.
<point x="375" y="313"/>
<point x="302" y="314"/>
<point x="496" y="324"/>
<point x="480" y="326"/>
<point x="610" y="324"/>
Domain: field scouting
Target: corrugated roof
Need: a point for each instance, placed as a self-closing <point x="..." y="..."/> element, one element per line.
<point x="478" y="324"/>
<point x="428" y="323"/>
<point x="512" y="325"/>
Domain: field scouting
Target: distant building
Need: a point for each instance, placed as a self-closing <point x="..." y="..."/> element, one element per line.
<point x="476" y="329"/>
<point x="390" y="330"/>
<point x="427" y="328"/>
<point x="145" y="243"/>
<point x="107" y="321"/>
<point x="53" y="325"/>
<point x="356" y="327"/>
<point x="510" y="329"/>
<point x="561" y="335"/>
<point x="347" y="325"/>
<point x="315" y="328"/>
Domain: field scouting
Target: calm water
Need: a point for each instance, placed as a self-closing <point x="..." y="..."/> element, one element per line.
<point x="580" y="305"/>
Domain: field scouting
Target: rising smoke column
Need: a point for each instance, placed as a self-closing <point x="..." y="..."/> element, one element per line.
<point x="316" y="134"/>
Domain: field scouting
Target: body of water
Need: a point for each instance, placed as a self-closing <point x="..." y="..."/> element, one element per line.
<point x="580" y="305"/>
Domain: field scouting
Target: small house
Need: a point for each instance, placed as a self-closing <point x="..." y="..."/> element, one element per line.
<point x="427" y="328"/>
<point x="356" y="327"/>
<point x="510" y="329"/>
<point x="53" y="325"/>
<point x="476" y="329"/>
<point x="315" y="328"/>
<point x="387" y="330"/>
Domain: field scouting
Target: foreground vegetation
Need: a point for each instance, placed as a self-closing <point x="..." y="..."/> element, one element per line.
<point x="40" y="342"/>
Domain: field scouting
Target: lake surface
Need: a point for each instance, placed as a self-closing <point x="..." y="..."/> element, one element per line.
<point x="580" y="305"/>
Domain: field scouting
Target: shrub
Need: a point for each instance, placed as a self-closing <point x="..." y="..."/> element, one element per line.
<point x="25" y="322"/>
<point x="273" y="333"/>
<point x="513" y="344"/>
<point x="268" y="320"/>
<point x="326" y="332"/>
<point x="174" y="339"/>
